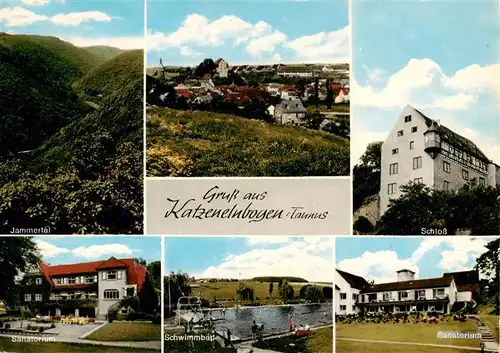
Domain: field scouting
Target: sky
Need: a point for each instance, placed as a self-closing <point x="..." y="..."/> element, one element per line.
<point x="379" y="258"/>
<point x="76" y="249"/>
<point x="247" y="32"/>
<point x="83" y="23"/>
<point x="441" y="57"/>
<point x="244" y="258"/>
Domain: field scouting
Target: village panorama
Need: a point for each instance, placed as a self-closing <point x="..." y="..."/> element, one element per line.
<point x="218" y="119"/>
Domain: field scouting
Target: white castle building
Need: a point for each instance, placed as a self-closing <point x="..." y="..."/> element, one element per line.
<point x="420" y="150"/>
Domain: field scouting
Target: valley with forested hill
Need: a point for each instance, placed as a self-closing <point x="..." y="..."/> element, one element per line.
<point x="71" y="141"/>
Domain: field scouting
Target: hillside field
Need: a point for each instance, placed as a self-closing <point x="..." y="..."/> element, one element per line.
<point x="227" y="291"/>
<point x="194" y="143"/>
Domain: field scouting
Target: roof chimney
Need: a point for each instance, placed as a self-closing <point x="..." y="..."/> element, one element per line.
<point x="405" y="275"/>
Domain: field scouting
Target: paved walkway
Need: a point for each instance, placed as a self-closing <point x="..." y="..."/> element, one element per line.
<point x="411" y="343"/>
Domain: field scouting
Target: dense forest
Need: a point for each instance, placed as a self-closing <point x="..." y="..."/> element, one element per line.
<point x="71" y="138"/>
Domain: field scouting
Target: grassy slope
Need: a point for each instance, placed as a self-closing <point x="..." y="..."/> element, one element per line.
<point x="492" y="321"/>
<point x="55" y="347"/>
<point x="113" y="74"/>
<point x="320" y="342"/>
<point x="364" y="347"/>
<point x="187" y="143"/>
<point x="127" y="331"/>
<point x="227" y="290"/>
<point x="104" y="52"/>
<point x="421" y="332"/>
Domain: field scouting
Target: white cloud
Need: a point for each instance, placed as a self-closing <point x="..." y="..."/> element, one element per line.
<point x="268" y="240"/>
<point x="49" y="250"/>
<point x="373" y="74"/>
<point x="36" y="2"/>
<point x="188" y="52"/>
<point x="475" y="78"/>
<point x="77" y="18"/>
<point x="260" y="37"/>
<point x="323" y="47"/>
<point x="309" y="259"/>
<point x="96" y="251"/>
<point x="125" y="43"/>
<point x="17" y="17"/>
<point x="266" y="43"/>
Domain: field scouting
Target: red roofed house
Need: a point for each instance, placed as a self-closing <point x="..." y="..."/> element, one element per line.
<point x="97" y="284"/>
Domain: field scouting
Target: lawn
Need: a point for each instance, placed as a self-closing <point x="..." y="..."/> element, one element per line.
<point x="56" y="347"/>
<point x="492" y="321"/>
<point x="193" y="143"/>
<point x="127" y="331"/>
<point x="182" y="346"/>
<point x="227" y="291"/>
<point x="364" y="347"/>
<point x="336" y="108"/>
<point x="320" y="342"/>
<point x="421" y="332"/>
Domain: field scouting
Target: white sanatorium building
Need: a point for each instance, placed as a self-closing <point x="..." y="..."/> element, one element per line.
<point x="420" y="150"/>
<point x="451" y="292"/>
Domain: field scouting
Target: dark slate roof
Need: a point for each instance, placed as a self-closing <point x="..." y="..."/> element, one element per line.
<point x="404" y="269"/>
<point x="218" y="61"/>
<point x="337" y="287"/>
<point x="455" y="139"/>
<point x="405" y="285"/>
<point x="353" y="280"/>
<point x="291" y="106"/>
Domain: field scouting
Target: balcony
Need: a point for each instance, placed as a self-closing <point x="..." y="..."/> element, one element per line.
<point x="411" y="299"/>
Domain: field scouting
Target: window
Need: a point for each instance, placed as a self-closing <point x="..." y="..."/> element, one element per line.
<point x="112" y="275"/>
<point x="412" y="145"/>
<point x="89" y="279"/>
<point x="355" y="296"/>
<point x="446" y="185"/>
<point x="414" y="129"/>
<point x="395" y="151"/>
<point x="446" y="167"/>
<point x="465" y="174"/>
<point x="387" y="296"/>
<point x="71" y="280"/>
<point x="393" y="168"/>
<point x="38" y="297"/>
<point x="418" y="180"/>
<point x="400" y="133"/>
<point x="482" y="181"/>
<point x="343" y="307"/>
<point x="38" y="281"/>
<point x="111" y="294"/>
<point x="417" y="162"/>
<point x="438" y="292"/>
<point x="391" y="188"/>
<point x="27" y="297"/>
<point x="420" y="294"/>
<point x="343" y="295"/>
<point x="58" y="281"/>
<point x="403" y="295"/>
<point x="407" y="118"/>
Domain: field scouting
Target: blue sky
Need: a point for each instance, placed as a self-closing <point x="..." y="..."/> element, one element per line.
<point x="379" y="258"/>
<point x="440" y="56"/>
<point x="119" y="24"/>
<point x="243" y="258"/>
<point x="247" y="32"/>
<point x="74" y="249"/>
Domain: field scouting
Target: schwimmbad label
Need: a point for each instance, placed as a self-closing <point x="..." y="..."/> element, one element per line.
<point x="248" y="206"/>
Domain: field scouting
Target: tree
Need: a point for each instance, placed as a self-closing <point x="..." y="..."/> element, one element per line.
<point x="140" y="261"/>
<point x="314" y="294"/>
<point x="329" y="95"/>
<point x="245" y="293"/>
<point x="16" y="255"/>
<point x="366" y="174"/>
<point x="271" y="287"/>
<point x="287" y="292"/>
<point x="154" y="270"/>
<point x="489" y="264"/>
<point x="206" y="67"/>
<point x="176" y="285"/>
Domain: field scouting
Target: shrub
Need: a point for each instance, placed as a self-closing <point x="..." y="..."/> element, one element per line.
<point x="41" y="329"/>
<point x="156" y="319"/>
<point x="363" y="225"/>
<point x="1" y="324"/>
